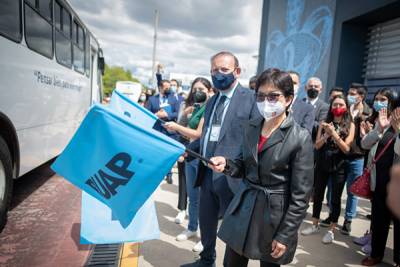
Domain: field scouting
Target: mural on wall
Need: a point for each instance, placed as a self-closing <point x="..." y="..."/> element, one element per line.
<point x="303" y="46"/>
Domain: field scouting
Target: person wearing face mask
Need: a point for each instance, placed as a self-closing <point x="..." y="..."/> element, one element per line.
<point x="313" y="89"/>
<point x="381" y="140"/>
<point x="175" y="90"/>
<point x="142" y="99"/>
<point x="334" y="139"/>
<point x="276" y="164"/>
<point x="166" y="107"/>
<point x="195" y="107"/>
<point x="356" y="98"/>
<point x="359" y="111"/>
<point x="221" y="135"/>
<point x="303" y="113"/>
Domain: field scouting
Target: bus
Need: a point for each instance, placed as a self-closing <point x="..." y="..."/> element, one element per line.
<point x="51" y="69"/>
<point x="132" y="90"/>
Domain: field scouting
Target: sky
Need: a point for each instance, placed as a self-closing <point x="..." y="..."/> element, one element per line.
<point x="190" y="32"/>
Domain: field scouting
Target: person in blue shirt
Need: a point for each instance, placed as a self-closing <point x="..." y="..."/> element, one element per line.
<point x="166" y="107"/>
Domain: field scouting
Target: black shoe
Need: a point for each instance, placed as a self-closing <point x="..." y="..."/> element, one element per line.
<point x="198" y="263"/>
<point x="346" y="228"/>
<point x="169" y="178"/>
<point x="326" y="222"/>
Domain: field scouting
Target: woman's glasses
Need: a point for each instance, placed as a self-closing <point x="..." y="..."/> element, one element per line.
<point x="271" y="97"/>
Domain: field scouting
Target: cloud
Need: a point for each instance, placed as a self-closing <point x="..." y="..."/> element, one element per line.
<point x="190" y="31"/>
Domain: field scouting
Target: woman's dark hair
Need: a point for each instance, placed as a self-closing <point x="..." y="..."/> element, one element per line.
<point x="347" y="120"/>
<point x="190" y="99"/>
<point x="392" y="97"/>
<point x="278" y="79"/>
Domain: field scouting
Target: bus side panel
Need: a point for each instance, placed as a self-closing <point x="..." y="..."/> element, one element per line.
<point x="44" y="100"/>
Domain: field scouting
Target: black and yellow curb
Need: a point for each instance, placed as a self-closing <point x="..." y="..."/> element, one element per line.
<point x="129" y="255"/>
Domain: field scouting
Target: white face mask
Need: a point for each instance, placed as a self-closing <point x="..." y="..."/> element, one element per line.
<point x="270" y="110"/>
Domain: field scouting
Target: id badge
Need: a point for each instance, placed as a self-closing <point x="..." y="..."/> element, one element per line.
<point x="215" y="130"/>
<point x="166" y="107"/>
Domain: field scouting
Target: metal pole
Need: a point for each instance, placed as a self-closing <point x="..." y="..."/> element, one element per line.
<point x="154" y="50"/>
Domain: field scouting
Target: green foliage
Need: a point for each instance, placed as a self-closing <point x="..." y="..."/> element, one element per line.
<point x="113" y="74"/>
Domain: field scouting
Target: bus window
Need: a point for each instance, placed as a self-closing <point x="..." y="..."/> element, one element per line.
<point x="87" y="55"/>
<point x="57" y="16"/>
<point x="79" y="46"/>
<point x="10" y="19"/>
<point x="63" y="36"/>
<point x="38" y="32"/>
<point x="45" y="8"/>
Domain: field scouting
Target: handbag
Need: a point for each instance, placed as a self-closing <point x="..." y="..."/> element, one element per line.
<point x="361" y="187"/>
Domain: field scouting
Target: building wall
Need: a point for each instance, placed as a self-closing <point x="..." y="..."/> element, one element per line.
<point x="299" y="34"/>
<point x="323" y="38"/>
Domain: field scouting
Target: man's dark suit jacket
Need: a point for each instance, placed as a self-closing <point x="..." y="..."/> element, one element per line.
<point x="241" y="108"/>
<point x="304" y="114"/>
<point x="154" y="106"/>
<point x="321" y="112"/>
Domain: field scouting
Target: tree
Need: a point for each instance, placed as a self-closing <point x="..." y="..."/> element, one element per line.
<point x="112" y="74"/>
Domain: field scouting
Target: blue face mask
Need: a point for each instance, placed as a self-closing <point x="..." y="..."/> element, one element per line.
<point x="172" y="89"/>
<point x="223" y="81"/>
<point x="351" y="99"/>
<point x="378" y="105"/>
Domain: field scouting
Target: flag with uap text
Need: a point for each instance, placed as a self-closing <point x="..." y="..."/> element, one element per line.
<point x="131" y="110"/>
<point x="116" y="161"/>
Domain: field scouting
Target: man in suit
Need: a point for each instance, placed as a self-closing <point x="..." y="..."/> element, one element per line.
<point x="303" y="113"/>
<point x="222" y="135"/>
<point x="166" y="107"/>
<point x="321" y="108"/>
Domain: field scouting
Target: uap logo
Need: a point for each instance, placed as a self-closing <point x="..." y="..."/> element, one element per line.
<point x="303" y="46"/>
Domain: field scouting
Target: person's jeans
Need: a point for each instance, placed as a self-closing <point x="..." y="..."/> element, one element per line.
<point x="354" y="169"/>
<point x="193" y="194"/>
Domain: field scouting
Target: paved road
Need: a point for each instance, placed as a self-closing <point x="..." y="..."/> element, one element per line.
<point x="311" y="251"/>
<point x="43" y="230"/>
<point x="44" y="223"/>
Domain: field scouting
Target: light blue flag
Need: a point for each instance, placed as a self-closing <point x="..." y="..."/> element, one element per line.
<point x="132" y="110"/>
<point x="116" y="161"/>
<point x="98" y="226"/>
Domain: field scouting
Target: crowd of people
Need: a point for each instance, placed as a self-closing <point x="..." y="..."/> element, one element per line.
<point x="272" y="154"/>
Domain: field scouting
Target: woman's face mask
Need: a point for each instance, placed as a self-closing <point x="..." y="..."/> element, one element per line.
<point x="378" y="105"/>
<point x="271" y="104"/>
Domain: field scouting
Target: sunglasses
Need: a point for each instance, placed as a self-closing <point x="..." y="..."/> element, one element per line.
<point x="271" y="97"/>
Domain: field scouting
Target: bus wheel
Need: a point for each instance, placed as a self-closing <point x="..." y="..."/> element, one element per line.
<point x="5" y="182"/>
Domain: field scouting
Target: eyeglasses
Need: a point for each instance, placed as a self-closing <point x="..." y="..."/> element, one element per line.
<point x="271" y="97"/>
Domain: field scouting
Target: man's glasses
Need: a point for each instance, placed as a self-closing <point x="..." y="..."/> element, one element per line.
<point x="271" y="97"/>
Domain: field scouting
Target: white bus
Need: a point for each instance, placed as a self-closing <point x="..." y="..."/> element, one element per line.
<point x="50" y="73"/>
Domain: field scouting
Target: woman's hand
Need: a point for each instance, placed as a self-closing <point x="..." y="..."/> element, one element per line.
<point x="329" y="129"/>
<point x="171" y="126"/>
<point x="383" y="121"/>
<point x="219" y="164"/>
<point x="395" y="119"/>
<point x="278" y="249"/>
<point x="365" y="128"/>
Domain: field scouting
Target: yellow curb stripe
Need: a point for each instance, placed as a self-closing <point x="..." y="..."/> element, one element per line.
<point x="129" y="255"/>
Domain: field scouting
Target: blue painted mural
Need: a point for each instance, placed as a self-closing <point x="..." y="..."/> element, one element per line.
<point x="303" y="46"/>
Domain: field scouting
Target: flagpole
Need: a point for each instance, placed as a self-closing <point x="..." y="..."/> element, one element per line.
<point x="156" y="19"/>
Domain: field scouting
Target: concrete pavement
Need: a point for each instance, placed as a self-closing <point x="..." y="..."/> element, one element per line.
<point x="311" y="252"/>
